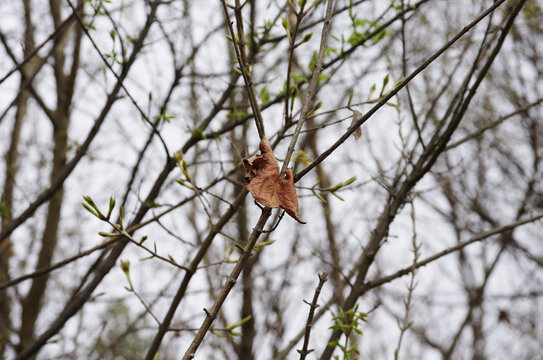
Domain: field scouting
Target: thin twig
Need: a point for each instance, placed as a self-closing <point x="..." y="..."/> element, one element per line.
<point x="57" y="265"/>
<point x="394" y="91"/>
<point x="492" y="125"/>
<point x="145" y="306"/>
<point x="230" y="282"/>
<point x="238" y="42"/>
<point x="231" y="279"/>
<point x="404" y="73"/>
<point x="313" y="84"/>
<point x="408" y="303"/>
<point x="322" y="279"/>
<point x="117" y="76"/>
<point x="386" y="279"/>
<point x="231" y="125"/>
<point x="34" y="52"/>
<point x="292" y="46"/>
<point x="381" y="281"/>
<point x="82" y="150"/>
<point x="165" y="324"/>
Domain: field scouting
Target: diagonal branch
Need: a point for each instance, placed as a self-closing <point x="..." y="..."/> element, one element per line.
<point x="238" y="42"/>
<point x="230" y="282"/>
<point x="29" y="57"/>
<point x="81" y="150"/>
<point x="394" y="91"/>
<point x="165" y="324"/>
<point x="422" y="166"/>
<point x="313" y="84"/>
<point x="313" y="305"/>
<point x="266" y="212"/>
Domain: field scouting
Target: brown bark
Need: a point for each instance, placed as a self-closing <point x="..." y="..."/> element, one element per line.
<point x="6" y="205"/>
<point x="33" y="300"/>
<point x="12" y="157"/>
<point x="244" y="349"/>
<point x="31" y="304"/>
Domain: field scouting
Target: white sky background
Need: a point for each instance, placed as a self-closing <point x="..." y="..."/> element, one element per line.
<point x="439" y="301"/>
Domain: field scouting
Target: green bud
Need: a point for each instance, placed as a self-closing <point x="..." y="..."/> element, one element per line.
<point x="125" y="266"/>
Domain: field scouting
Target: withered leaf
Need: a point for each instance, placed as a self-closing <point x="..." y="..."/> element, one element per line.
<point x="261" y="174"/>
<point x="267" y="185"/>
<point x="357" y="115"/>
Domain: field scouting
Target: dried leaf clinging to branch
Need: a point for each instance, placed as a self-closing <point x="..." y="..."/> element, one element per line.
<point x="267" y="185"/>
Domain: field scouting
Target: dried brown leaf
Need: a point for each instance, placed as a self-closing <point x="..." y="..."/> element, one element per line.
<point x="267" y="186"/>
<point x="288" y="200"/>
<point x="261" y="173"/>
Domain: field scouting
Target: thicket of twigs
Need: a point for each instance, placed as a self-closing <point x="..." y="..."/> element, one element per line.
<point x="411" y="131"/>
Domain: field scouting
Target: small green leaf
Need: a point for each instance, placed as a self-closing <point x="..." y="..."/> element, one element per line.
<point x="315" y="108"/>
<point x="303" y="157"/>
<point x="235" y="113"/>
<point x="385" y="82"/>
<point x="89" y="201"/>
<point x="301" y="79"/>
<point x="111" y="207"/>
<point x="351" y="94"/>
<point x="125" y="266"/>
<point x="312" y="61"/>
<point x="293" y="93"/>
<point x="89" y="209"/>
<point x="379" y="36"/>
<point x="178" y="155"/>
<point x="182" y="182"/>
<point x="238" y="324"/>
<point x="198" y="134"/>
<point x="218" y="334"/>
<point x="88" y="25"/>
<point x="264" y="96"/>
<point x="151" y="204"/>
<point x="164" y="116"/>
<point x="106" y="234"/>
<point x="336" y="195"/>
<point x="372" y="90"/>
<point x="350" y="181"/>
<point x="356" y="38"/>
<point x="323" y="77"/>
<point x="185" y="170"/>
<point x="305" y="39"/>
<point x="121" y="214"/>
<point x="319" y="197"/>
<point x="286" y="26"/>
<point x="263" y="244"/>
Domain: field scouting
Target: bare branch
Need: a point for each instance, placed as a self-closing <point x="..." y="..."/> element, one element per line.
<point x="312" y="306"/>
